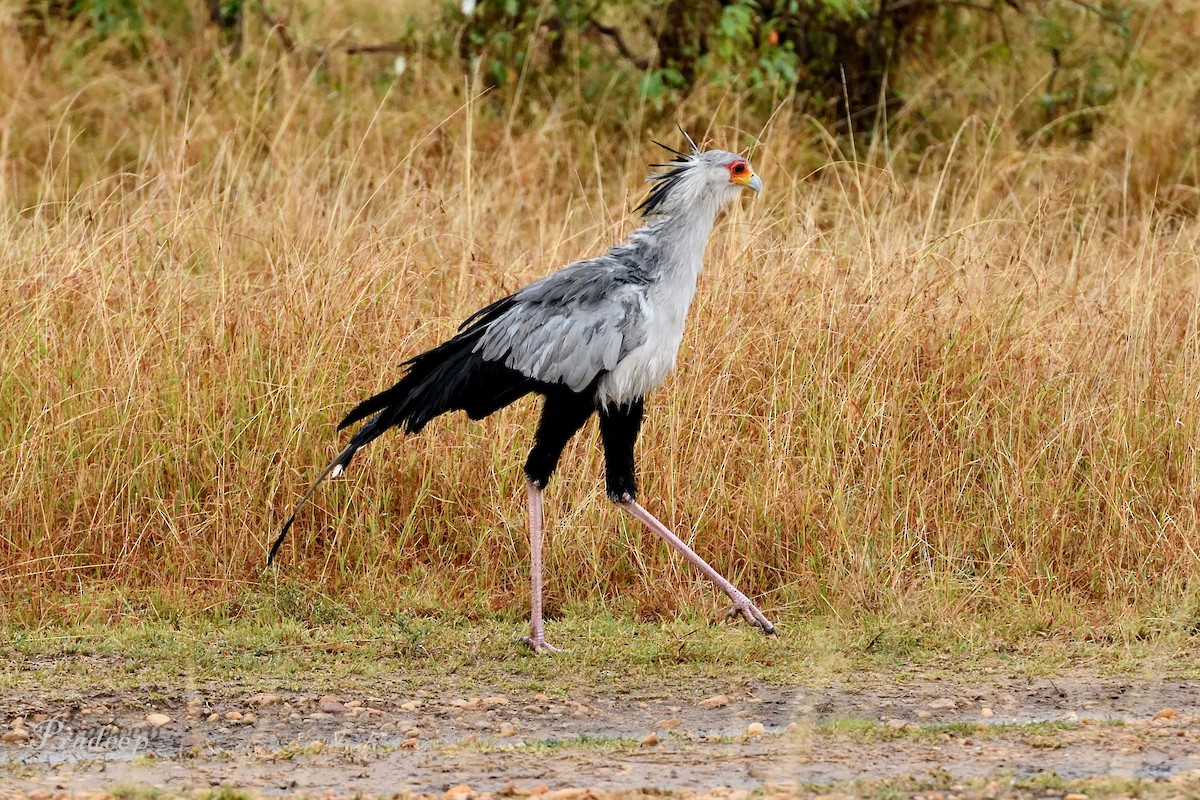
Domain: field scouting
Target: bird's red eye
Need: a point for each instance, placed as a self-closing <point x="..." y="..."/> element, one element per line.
<point x="739" y="168"/>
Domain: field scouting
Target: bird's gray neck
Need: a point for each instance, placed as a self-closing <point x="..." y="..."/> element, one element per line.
<point x="674" y="246"/>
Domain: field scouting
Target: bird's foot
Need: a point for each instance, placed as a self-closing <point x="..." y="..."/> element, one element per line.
<point x="748" y="611"/>
<point x="540" y="646"/>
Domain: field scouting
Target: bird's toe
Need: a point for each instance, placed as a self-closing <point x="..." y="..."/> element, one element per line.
<point x="753" y="617"/>
<point x="540" y="646"/>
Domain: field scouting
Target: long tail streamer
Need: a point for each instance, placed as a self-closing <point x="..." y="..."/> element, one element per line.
<point x="335" y="468"/>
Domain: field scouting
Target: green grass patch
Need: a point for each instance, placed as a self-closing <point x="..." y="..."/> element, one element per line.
<point x="271" y="648"/>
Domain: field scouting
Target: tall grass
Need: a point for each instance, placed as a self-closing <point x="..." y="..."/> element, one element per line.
<point x="961" y="377"/>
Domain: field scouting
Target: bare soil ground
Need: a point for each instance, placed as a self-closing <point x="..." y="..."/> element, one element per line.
<point x="985" y="735"/>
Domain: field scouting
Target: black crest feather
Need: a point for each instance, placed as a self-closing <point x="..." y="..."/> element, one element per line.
<point x="664" y="182"/>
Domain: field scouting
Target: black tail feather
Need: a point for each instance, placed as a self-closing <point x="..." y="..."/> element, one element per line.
<point x="343" y="460"/>
<point x="361" y="438"/>
<point x="450" y="377"/>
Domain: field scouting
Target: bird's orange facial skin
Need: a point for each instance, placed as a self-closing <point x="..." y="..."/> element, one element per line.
<point x="740" y="172"/>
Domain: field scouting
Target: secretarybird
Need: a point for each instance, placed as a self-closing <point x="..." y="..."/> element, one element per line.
<point x="592" y="338"/>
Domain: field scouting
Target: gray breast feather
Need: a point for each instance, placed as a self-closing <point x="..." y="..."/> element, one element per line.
<point x="572" y="325"/>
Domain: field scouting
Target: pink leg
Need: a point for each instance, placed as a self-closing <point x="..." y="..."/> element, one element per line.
<point x="537" y="637"/>
<point x="741" y="603"/>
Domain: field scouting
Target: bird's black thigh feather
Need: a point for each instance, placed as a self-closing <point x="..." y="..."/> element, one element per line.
<point x="564" y="413"/>
<point x="619" y="427"/>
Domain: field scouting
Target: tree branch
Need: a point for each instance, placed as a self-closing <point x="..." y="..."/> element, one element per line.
<point x="386" y="47"/>
<point x="615" y="34"/>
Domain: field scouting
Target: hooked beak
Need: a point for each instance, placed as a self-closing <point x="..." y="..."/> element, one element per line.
<point x="751" y="181"/>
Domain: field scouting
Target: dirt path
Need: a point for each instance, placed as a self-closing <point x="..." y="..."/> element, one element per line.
<point x="705" y="737"/>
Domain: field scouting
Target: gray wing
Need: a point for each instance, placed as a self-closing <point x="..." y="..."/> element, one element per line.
<point x="572" y="325"/>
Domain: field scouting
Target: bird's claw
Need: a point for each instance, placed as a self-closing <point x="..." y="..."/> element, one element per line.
<point x="749" y="612"/>
<point x="540" y="646"/>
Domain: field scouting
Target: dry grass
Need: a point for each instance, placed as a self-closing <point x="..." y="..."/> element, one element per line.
<point x="945" y="381"/>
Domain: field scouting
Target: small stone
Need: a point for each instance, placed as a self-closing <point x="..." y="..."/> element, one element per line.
<point x="354" y="704"/>
<point x="507" y="729"/>
<point x="263" y="699"/>
<point x="541" y="698"/>
<point x="332" y="707"/>
<point x="986" y="712"/>
<point x="460" y="792"/>
<point x="716" y="701"/>
<point x="249" y="718"/>
<point x="1166" y="713"/>
<point x="649" y="740"/>
<point x="755" y="729"/>
<point x="943" y="704"/>
<point x="16" y="736"/>
<point x="1076" y="796"/>
<point x="495" y="700"/>
<point x="409" y="743"/>
<point x="896" y="724"/>
<point x="411" y="705"/>
<point x="157" y="720"/>
<point x="215" y="717"/>
<point x="233" y="716"/>
<point x="667" y="724"/>
<point x="923" y="714"/>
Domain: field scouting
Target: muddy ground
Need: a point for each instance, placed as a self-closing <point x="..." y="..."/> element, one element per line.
<point x="985" y="735"/>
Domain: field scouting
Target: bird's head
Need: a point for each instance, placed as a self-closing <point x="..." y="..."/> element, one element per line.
<point x="699" y="179"/>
